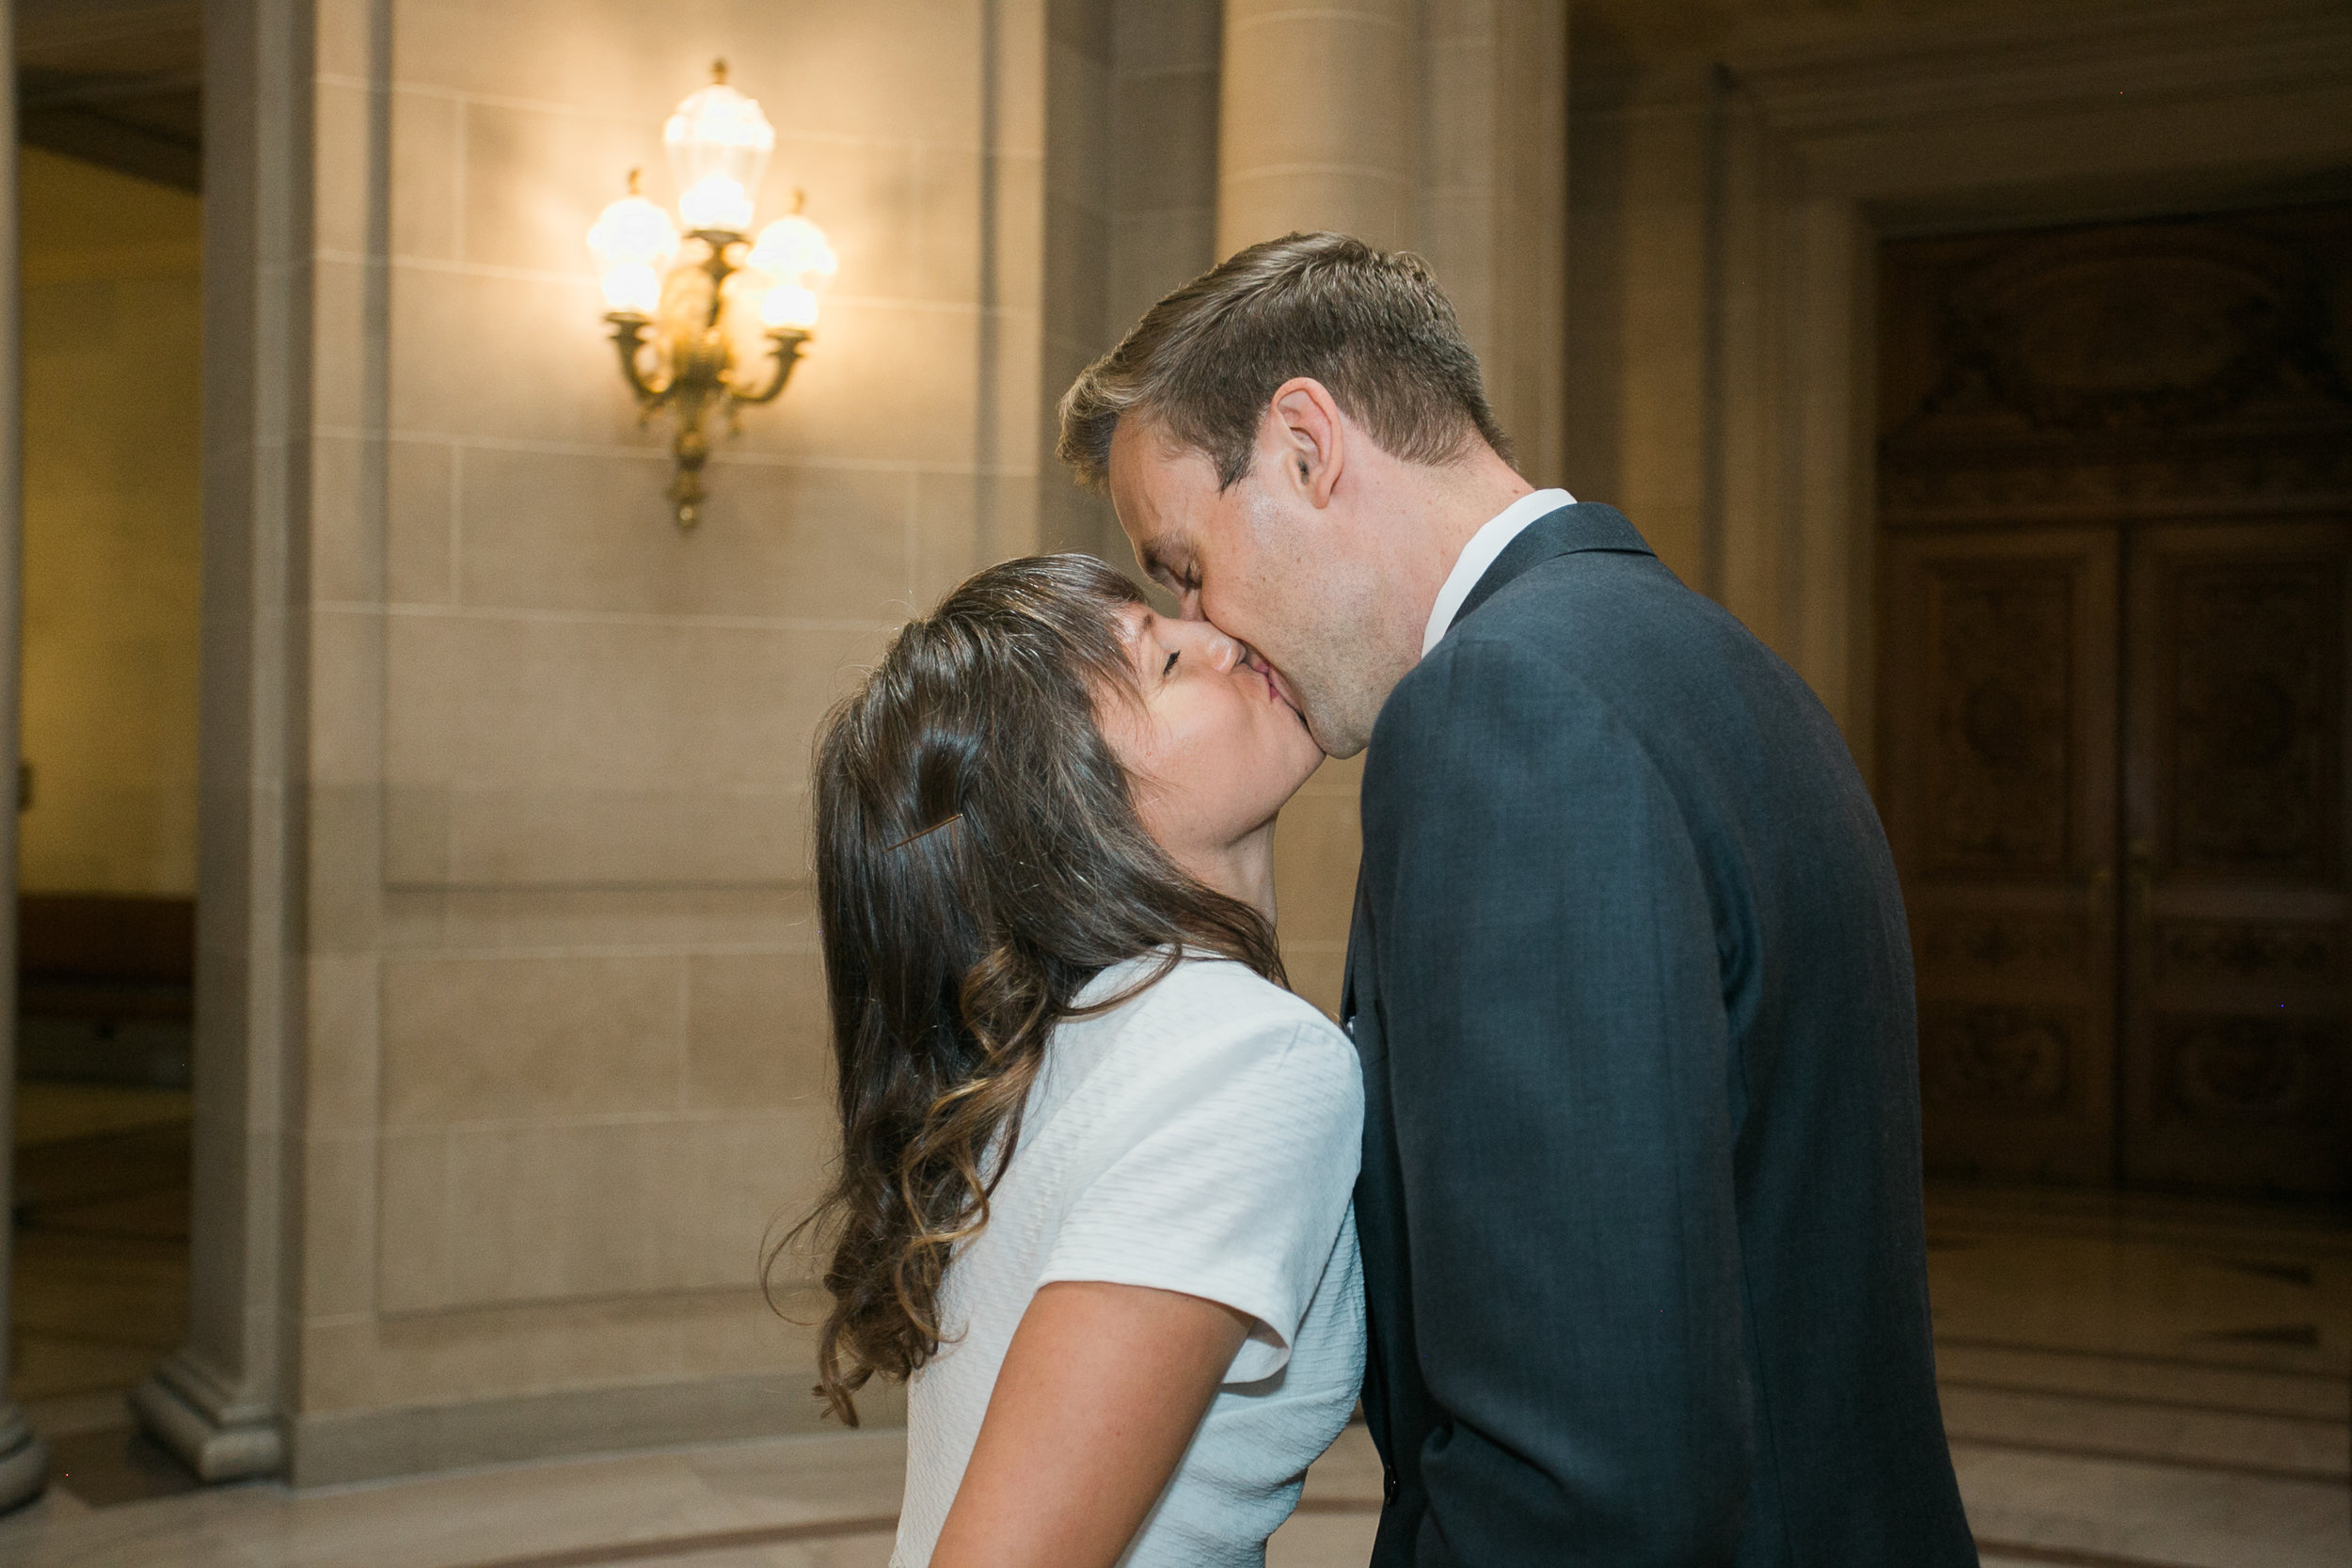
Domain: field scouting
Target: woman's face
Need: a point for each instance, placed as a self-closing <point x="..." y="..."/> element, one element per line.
<point x="1211" y="747"/>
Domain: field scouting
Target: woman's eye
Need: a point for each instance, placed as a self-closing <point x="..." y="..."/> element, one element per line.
<point x="1169" y="668"/>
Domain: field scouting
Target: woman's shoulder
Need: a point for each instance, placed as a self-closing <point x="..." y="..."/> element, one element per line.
<point x="1212" y="1023"/>
<point x="1209" y="995"/>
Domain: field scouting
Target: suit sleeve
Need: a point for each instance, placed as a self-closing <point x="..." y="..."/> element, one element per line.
<point x="1551" y="1007"/>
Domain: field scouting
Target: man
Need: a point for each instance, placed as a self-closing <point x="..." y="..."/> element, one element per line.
<point x="1630" y="975"/>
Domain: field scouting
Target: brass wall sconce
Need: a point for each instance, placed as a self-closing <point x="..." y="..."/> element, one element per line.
<point x="689" y="310"/>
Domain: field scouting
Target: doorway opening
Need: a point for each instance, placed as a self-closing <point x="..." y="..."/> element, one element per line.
<point x="110" y="227"/>
<point x="2113" y="696"/>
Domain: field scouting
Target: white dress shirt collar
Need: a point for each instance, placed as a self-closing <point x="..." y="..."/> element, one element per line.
<point x="1479" y="554"/>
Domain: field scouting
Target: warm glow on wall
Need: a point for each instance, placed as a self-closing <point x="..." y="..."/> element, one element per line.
<point x="675" y="300"/>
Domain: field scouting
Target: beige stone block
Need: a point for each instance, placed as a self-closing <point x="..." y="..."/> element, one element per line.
<point x="610" y="704"/>
<point x="342" y="343"/>
<point x="723" y="1335"/>
<point x="1317" y="843"/>
<point x="505" y="357"/>
<point x="417" y="1225"/>
<point x="759" y="1031"/>
<point x="1318" y="972"/>
<point x="1362" y="200"/>
<point x="1082" y="26"/>
<point x="343" y="866"/>
<point x="967" y="521"/>
<point x="1459" y="130"/>
<point x="474" y="1040"/>
<point x="339" y="1211"/>
<point x="883" y="383"/>
<point x="346" y="555"/>
<point x="776" y="919"/>
<point x="341" y="33"/>
<point x="948" y="229"/>
<point x="903" y="70"/>
<point x="863" y="194"/>
<point x="1078" y="156"/>
<point x="1167" y="142"/>
<point x="343" y="178"/>
<point x="1342" y="113"/>
<point x="416" y="834"/>
<point x="346" y="693"/>
<point x="595" y="54"/>
<point x="427" y="181"/>
<point x="419" y="514"/>
<point x="535" y="179"/>
<point x="1151" y="255"/>
<point x="541" y="1214"/>
<point x="343" y="1008"/>
<point x="625" y="836"/>
<point x="544" y="531"/>
<point x="1341" y="776"/>
<point x="1077" y="268"/>
<point x="1167" y="35"/>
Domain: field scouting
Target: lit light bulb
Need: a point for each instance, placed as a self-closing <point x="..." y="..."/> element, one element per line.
<point x="788" y="307"/>
<point x="633" y="243"/>
<point x="719" y="144"/>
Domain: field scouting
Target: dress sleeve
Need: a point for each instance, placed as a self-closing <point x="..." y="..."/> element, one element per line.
<point x="1220" y="1165"/>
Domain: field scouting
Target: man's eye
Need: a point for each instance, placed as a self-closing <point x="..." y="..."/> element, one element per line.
<point x="1169" y="668"/>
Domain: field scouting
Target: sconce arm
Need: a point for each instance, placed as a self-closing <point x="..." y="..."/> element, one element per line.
<point x="785" y="343"/>
<point x="628" y="336"/>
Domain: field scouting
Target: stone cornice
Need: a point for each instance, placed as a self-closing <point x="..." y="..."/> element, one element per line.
<point x="1824" y="74"/>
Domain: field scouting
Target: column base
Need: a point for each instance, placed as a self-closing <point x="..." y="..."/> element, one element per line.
<point x="24" y="1460"/>
<point x="218" y="1438"/>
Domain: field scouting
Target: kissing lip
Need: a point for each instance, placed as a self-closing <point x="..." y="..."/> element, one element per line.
<point x="1275" y="692"/>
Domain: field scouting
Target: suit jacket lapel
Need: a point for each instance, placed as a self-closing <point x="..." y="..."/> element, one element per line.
<point x="1567" y="531"/>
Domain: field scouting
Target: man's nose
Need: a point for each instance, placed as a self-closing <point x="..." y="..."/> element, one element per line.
<point x="1224" y="653"/>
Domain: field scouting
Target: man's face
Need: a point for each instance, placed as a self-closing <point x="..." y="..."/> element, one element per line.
<point x="1264" y="565"/>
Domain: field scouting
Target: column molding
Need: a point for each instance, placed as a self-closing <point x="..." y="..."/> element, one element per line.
<point x="221" y="1403"/>
<point x="23" y="1457"/>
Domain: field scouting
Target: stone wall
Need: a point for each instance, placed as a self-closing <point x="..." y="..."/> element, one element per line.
<point x="563" y="1033"/>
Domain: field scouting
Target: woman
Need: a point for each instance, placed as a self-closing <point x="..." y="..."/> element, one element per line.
<point x="1093" y="1203"/>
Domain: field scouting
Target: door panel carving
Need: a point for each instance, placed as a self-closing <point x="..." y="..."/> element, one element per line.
<point x="2251" y="715"/>
<point x="2233" y="1006"/>
<point x="2002" y="673"/>
<point x="1999" y="705"/>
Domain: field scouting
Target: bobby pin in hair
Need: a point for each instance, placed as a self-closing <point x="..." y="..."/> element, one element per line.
<point x="926" y="833"/>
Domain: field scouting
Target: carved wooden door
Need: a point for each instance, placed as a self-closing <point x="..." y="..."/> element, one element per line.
<point x="2233" y="1036"/>
<point x="1998" y="789"/>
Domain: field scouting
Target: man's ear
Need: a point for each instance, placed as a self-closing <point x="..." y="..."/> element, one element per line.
<point x="1306" y="434"/>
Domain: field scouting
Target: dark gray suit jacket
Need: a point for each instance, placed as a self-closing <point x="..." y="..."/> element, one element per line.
<point x="1640" y="1202"/>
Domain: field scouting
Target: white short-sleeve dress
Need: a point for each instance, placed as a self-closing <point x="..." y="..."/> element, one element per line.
<point x="1202" y="1137"/>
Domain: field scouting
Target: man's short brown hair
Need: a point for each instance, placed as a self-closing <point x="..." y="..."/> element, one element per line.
<point x="1371" y="325"/>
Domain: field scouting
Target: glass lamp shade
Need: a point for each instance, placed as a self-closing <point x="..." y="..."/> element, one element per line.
<point x="794" y="250"/>
<point x="633" y="243"/>
<point x="795" y="254"/>
<point x="719" y="144"/>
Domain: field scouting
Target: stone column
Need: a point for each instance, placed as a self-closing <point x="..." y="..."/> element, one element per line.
<point x="23" y="1457"/>
<point x="217" y="1402"/>
<point x="1317" y="124"/>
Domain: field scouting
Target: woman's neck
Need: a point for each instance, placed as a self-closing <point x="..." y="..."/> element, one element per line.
<point x="1243" y="869"/>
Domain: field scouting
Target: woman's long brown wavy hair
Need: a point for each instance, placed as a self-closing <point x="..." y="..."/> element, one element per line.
<point x="978" y="862"/>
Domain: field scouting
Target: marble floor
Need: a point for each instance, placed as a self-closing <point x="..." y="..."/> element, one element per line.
<point x="2129" y="1383"/>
